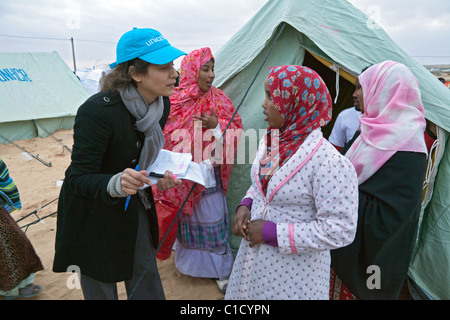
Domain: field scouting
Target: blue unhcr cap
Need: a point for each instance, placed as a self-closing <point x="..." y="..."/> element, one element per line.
<point x="146" y="44"/>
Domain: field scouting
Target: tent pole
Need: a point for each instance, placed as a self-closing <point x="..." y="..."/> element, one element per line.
<point x="48" y="164"/>
<point x="73" y="55"/>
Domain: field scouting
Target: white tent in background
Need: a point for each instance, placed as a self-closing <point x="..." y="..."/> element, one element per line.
<point x="90" y="78"/>
<point x="39" y="94"/>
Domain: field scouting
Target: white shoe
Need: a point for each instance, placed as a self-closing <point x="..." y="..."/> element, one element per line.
<point x="222" y="284"/>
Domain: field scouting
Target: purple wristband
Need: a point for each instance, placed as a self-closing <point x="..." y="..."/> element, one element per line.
<point x="247" y="202"/>
<point x="269" y="233"/>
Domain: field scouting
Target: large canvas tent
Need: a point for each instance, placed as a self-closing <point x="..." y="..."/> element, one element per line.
<point x="338" y="41"/>
<point x="39" y="94"/>
<point x="90" y="79"/>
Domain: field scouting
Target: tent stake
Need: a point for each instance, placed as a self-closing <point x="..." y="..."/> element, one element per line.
<point x="48" y="164"/>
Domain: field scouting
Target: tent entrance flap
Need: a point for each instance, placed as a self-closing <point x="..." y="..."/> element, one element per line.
<point x="344" y="74"/>
<point x="346" y="85"/>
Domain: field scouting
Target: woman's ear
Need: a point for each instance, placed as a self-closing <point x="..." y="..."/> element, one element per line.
<point x="136" y="76"/>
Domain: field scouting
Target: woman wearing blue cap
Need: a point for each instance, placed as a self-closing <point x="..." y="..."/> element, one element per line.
<point x="116" y="132"/>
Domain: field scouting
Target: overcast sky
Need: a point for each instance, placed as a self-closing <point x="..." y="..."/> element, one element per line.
<point x="420" y="27"/>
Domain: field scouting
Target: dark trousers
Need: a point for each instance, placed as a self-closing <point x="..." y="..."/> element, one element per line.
<point x="147" y="288"/>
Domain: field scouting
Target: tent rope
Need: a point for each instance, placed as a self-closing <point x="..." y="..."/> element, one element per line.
<point x="337" y="84"/>
<point x="192" y="189"/>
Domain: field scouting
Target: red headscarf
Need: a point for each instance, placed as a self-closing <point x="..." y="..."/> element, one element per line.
<point x="303" y="100"/>
<point x="187" y="101"/>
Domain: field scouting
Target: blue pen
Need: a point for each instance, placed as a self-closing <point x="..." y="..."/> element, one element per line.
<point x="129" y="196"/>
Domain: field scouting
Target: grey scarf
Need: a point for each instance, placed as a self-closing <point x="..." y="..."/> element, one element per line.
<point x="147" y="121"/>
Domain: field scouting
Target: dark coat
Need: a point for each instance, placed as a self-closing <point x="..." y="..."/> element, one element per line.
<point x="94" y="232"/>
<point x="388" y="217"/>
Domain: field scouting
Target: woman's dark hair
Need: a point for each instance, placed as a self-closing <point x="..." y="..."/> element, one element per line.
<point x="120" y="76"/>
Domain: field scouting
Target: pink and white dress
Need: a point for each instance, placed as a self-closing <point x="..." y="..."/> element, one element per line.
<point x="313" y="199"/>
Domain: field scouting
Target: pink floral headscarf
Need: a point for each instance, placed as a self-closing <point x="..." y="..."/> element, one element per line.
<point x="393" y="118"/>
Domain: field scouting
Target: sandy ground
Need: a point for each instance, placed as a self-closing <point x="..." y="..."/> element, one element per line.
<point x="39" y="185"/>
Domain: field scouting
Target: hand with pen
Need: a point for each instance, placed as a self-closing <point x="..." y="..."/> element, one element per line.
<point x="168" y="181"/>
<point x="133" y="180"/>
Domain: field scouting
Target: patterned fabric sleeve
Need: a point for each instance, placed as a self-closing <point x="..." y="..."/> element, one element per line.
<point x="246" y="202"/>
<point x="8" y="190"/>
<point x="248" y="199"/>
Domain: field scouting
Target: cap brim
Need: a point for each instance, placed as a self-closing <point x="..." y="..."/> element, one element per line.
<point x="164" y="55"/>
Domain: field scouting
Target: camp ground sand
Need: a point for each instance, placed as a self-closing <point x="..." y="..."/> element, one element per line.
<point x="39" y="187"/>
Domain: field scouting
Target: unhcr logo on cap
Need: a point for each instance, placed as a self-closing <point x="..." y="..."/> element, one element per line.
<point x="146" y="44"/>
<point x="154" y="40"/>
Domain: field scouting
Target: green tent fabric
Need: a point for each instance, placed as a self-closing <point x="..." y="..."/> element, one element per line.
<point x="39" y="94"/>
<point x="309" y="32"/>
<point x="430" y="265"/>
